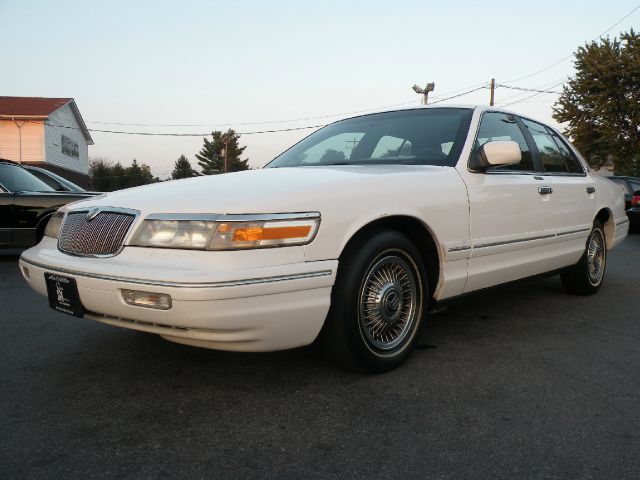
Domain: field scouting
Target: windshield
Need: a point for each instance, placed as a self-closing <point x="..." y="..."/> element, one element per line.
<point x="412" y="137"/>
<point x="17" y="179"/>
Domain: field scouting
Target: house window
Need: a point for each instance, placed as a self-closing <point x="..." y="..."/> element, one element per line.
<point x="70" y="147"/>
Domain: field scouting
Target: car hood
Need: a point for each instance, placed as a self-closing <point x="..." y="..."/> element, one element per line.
<point x="270" y="190"/>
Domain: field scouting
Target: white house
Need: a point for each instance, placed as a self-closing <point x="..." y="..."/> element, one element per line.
<point x="45" y="132"/>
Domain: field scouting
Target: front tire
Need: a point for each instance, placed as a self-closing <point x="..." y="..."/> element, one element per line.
<point x="586" y="276"/>
<point x="377" y="304"/>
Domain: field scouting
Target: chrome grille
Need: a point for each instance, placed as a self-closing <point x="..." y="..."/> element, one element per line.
<point x="101" y="235"/>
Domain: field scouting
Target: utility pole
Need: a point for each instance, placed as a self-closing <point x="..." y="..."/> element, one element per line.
<point x="424" y="91"/>
<point x="226" y="153"/>
<point x="493" y="89"/>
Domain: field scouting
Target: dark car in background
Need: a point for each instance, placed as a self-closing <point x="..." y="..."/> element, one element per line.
<point x="58" y="183"/>
<point x="26" y="203"/>
<point x="631" y="188"/>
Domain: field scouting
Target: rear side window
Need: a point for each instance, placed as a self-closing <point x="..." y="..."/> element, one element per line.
<point x="46" y="179"/>
<point x="554" y="154"/>
<point x="17" y="179"/>
<point x="500" y="126"/>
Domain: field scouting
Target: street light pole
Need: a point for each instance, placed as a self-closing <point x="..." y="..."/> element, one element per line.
<point x="424" y="91"/>
<point x="493" y="90"/>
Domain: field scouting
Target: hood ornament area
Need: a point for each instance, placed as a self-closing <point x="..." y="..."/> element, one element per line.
<point x="91" y="214"/>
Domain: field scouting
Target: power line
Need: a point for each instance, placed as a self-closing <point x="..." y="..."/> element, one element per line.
<point x="173" y="134"/>
<point x="484" y="85"/>
<point x="527" y="89"/>
<point x="291" y="120"/>
<point x="530" y="96"/>
<point x="545" y="86"/>
<point x="547" y="89"/>
<point x="570" y="55"/>
<point x="157" y="134"/>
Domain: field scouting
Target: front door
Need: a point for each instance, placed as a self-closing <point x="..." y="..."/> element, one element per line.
<point x="511" y="229"/>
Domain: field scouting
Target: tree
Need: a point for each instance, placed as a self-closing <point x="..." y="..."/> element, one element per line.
<point x="100" y="174"/>
<point x="601" y="103"/>
<point x="107" y="177"/>
<point x="182" y="169"/>
<point x="137" y="174"/>
<point x="332" y="156"/>
<point x="119" y="177"/>
<point x="211" y="158"/>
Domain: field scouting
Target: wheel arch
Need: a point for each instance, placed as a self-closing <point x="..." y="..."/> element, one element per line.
<point x="418" y="232"/>
<point x="42" y="224"/>
<point x="605" y="216"/>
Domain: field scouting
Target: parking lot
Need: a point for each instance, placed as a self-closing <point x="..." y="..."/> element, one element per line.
<point x="519" y="382"/>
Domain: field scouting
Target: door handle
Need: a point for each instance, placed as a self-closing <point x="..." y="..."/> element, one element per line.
<point x="591" y="189"/>
<point x="545" y="190"/>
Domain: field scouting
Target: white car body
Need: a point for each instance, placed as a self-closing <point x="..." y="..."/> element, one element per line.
<point x="487" y="229"/>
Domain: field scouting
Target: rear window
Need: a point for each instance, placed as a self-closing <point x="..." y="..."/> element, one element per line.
<point x="17" y="179"/>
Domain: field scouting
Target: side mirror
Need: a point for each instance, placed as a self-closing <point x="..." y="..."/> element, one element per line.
<point x="499" y="152"/>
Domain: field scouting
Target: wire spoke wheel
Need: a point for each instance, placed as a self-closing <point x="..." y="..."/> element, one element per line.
<point x="596" y="257"/>
<point x="389" y="301"/>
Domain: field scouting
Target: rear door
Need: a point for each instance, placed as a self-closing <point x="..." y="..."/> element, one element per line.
<point x="574" y="194"/>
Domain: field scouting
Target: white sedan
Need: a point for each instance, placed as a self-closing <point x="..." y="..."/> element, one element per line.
<point x="348" y="238"/>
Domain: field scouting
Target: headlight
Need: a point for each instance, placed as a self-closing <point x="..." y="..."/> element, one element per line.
<point x="190" y="234"/>
<point x="53" y="225"/>
<point x="226" y="232"/>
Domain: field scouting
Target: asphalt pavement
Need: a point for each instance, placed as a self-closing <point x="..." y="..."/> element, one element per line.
<point x="521" y="381"/>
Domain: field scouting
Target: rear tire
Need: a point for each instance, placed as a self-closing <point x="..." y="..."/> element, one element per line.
<point x="586" y="276"/>
<point x="377" y="303"/>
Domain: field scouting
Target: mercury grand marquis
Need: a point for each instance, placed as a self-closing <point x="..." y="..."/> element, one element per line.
<point x="347" y="238"/>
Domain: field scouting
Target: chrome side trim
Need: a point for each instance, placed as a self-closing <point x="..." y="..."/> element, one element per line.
<point x="245" y="217"/>
<point x="261" y="217"/>
<point x="582" y="230"/>
<point x="459" y="249"/>
<point x="203" y="217"/>
<point x="520" y="240"/>
<point x="159" y="283"/>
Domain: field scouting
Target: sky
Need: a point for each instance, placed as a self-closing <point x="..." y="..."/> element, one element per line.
<point x="195" y="66"/>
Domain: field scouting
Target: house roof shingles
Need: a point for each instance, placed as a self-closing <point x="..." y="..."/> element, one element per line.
<point x="40" y="108"/>
<point x="31" y="106"/>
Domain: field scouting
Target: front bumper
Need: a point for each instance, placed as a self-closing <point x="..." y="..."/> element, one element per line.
<point x="218" y="301"/>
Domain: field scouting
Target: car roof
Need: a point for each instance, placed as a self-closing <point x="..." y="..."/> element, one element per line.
<point x="9" y="162"/>
<point x="467" y="106"/>
<point x="480" y="108"/>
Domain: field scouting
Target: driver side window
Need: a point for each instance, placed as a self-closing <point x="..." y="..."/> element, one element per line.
<point x="500" y="126"/>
